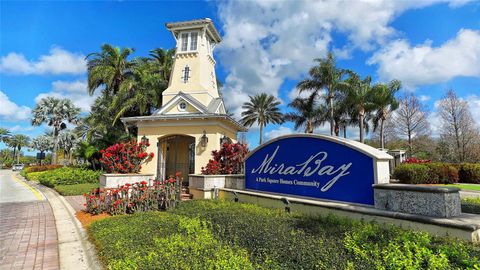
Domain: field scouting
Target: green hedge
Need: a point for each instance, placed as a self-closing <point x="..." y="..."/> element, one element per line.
<point x="412" y="174"/>
<point x="469" y="173"/>
<point x="427" y="173"/>
<point x="226" y="235"/>
<point x="66" y="176"/>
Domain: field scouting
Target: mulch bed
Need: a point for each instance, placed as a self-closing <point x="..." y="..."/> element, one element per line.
<point x="86" y="219"/>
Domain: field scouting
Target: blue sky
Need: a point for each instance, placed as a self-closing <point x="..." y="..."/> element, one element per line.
<point x="431" y="46"/>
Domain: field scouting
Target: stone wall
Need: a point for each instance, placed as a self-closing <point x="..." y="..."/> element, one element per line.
<point x="430" y="201"/>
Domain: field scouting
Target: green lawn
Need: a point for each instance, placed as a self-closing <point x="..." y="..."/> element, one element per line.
<point x="206" y="234"/>
<point x="465" y="186"/>
<point x="471" y="205"/>
<point x="78" y="189"/>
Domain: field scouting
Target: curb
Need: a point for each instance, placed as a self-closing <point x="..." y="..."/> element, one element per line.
<point x="75" y="251"/>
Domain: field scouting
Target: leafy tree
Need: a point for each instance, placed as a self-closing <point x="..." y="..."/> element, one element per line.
<point x="108" y="68"/>
<point x="307" y="114"/>
<point x="164" y="60"/>
<point x="361" y="96"/>
<point x="68" y="140"/>
<point x="17" y="142"/>
<point x="87" y="152"/>
<point x="261" y="109"/>
<point x="4" y="134"/>
<point x="141" y="91"/>
<point x="385" y="103"/>
<point x="54" y="112"/>
<point x="42" y="143"/>
<point x="325" y="76"/>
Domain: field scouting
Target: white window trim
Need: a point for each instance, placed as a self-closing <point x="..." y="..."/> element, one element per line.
<point x="189" y="41"/>
<point x="180" y="107"/>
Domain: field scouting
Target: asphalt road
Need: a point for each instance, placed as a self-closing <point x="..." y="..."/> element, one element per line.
<point x="13" y="189"/>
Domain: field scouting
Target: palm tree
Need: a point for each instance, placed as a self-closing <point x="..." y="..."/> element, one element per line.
<point x="42" y="143"/>
<point x="87" y="152"/>
<point x="386" y="103"/>
<point x="307" y="114"/>
<point x="139" y="92"/>
<point x="325" y="76"/>
<point x="4" y="134"/>
<point x="262" y="109"/>
<point x="54" y="112"/>
<point x="109" y="68"/>
<point x="164" y="60"/>
<point x="16" y="142"/>
<point x="361" y="96"/>
<point x="68" y="140"/>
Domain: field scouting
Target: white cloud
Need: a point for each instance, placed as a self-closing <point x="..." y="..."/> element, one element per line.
<point x="267" y="42"/>
<point x="78" y="86"/>
<point x="424" y="64"/>
<point x="280" y="131"/>
<point x="76" y="91"/>
<point x="18" y="128"/>
<point x="424" y="98"/>
<point x="9" y="111"/>
<point x="474" y="105"/>
<point x="58" y="61"/>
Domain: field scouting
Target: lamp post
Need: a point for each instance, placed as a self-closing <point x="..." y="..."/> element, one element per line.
<point x="145" y="140"/>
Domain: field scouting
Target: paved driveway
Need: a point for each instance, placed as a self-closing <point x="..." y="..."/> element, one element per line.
<point x="28" y="236"/>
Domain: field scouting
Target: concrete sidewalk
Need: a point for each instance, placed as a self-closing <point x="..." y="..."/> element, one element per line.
<point x="75" y="251"/>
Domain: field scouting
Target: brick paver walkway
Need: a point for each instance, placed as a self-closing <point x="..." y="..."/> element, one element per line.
<point x="28" y="236"/>
<point x="77" y="202"/>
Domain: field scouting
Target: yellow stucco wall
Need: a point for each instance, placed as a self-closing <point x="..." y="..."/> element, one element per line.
<point x="214" y="128"/>
<point x="202" y="81"/>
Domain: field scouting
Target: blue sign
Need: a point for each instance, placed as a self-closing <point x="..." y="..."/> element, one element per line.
<point x="311" y="166"/>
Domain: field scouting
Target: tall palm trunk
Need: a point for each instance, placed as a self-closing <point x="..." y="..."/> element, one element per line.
<point x="18" y="155"/>
<point x="14" y="152"/>
<point x="330" y="101"/>
<point x="261" y="133"/>
<point x="55" y="145"/>
<point x="309" y="128"/>
<point x="361" y="116"/>
<point x="382" y="138"/>
<point x="345" y="131"/>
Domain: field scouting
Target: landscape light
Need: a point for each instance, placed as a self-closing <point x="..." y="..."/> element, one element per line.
<point x="236" y="196"/>
<point x="204" y="139"/>
<point x="287" y="204"/>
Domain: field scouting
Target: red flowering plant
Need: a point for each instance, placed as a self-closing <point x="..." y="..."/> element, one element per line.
<point x="126" y="157"/>
<point x="137" y="197"/>
<point x="414" y="160"/>
<point x="228" y="160"/>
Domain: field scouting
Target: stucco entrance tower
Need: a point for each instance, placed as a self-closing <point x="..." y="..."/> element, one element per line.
<point x="192" y="121"/>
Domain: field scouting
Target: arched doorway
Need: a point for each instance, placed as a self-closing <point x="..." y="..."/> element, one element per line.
<point x="176" y="153"/>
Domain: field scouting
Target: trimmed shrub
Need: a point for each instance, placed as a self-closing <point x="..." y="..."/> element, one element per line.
<point x="469" y="173"/>
<point x="226" y="235"/>
<point x="67" y="176"/>
<point x="426" y="173"/>
<point x="412" y="173"/>
<point x="163" y="241"/>
<point x="442" y="173"/>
